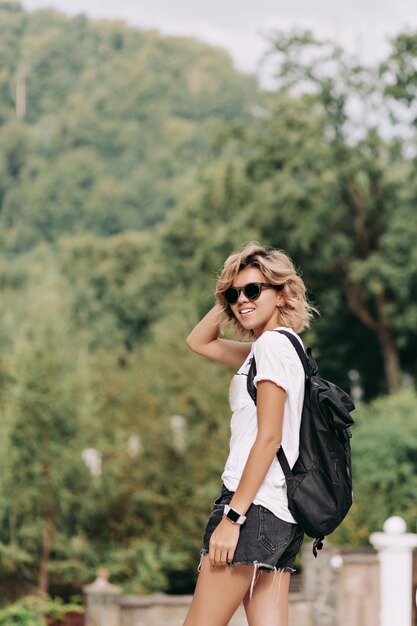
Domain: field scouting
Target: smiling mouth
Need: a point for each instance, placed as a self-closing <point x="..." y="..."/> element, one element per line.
<point x="246" y="311"/>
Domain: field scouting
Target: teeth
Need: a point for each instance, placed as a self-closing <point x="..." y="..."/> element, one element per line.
<point x="243" y="311"/>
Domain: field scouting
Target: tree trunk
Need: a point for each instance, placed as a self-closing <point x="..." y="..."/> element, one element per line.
<point x="391" y="361"/>
<point x="21" y="94"/>
<point x="388" y="349"/>
<point x="48" y="519"/>
<point x="47" y="541"/>
<point x="381" y="328"/>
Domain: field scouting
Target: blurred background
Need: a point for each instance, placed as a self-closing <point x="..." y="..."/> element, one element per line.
<point x="134" y="158"/>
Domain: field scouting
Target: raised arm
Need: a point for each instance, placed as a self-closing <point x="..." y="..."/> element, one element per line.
<point x="204" y="340"/>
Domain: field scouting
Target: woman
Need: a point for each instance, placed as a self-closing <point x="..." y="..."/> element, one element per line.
<point x="251" y="540"/>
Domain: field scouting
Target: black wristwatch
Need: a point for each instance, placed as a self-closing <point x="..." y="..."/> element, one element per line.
<point x="233" y="515"/>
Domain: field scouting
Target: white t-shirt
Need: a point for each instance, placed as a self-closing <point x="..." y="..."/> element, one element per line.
<point x="276" y="361"/>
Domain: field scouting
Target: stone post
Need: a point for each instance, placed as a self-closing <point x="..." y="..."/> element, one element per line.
<point x="102" y="601"/>
<point x="357" y="587"/>
<point x="395" y="550"/>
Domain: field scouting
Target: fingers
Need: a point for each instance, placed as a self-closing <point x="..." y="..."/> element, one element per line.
<point x="223" y="557"/>
<point x="217" y="555"/>
<point x="220" y="556"/>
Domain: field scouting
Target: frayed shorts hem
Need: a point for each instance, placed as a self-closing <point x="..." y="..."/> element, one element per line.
<point x="257" y="567"/>
<point x="260" y="566"/>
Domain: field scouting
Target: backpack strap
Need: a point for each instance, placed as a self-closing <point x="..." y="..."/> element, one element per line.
<point x="283" y="461"/>
<point x="299" y="349"/>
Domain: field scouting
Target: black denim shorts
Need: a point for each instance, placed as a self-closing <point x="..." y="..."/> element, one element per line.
<point x="265" y="540"/>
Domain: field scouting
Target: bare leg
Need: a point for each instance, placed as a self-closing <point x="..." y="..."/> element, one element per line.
<point x="268" y="605"/>
<point x="218" y="593"/>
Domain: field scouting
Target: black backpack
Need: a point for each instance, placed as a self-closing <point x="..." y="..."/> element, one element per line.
<point x="319" y="486"/>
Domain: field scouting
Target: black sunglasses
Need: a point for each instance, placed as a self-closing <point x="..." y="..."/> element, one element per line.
<point x="252" y="291"/>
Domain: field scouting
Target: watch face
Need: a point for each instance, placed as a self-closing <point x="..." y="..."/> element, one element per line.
<point x="233" y="515"/>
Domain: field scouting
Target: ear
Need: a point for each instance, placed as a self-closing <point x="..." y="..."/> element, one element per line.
<point x="279" y="300"/>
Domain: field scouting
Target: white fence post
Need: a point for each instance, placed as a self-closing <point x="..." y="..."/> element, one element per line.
<point x="395" y="550"/>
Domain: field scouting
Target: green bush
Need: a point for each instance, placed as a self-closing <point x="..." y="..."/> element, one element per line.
<point x="32" y="611"/>
<point x="384" y="455"/>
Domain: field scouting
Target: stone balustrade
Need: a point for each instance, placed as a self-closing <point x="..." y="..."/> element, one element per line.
<point x="340" y="588"/>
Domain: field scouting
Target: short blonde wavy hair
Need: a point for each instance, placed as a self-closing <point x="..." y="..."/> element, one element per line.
<point x="278" y="269"/>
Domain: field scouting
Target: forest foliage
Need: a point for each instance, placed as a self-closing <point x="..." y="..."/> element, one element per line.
<point x="131" y="165"/>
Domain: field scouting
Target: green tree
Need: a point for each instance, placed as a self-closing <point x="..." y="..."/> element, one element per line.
<point x="331" y="187"/>
<point x="45" y="476"/>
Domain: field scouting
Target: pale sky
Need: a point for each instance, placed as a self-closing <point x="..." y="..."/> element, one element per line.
<point x="362" y="26"/>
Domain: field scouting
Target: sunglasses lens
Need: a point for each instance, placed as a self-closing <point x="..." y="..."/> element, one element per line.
<point x="252" y="291"/>
<point x="231" y="295"/>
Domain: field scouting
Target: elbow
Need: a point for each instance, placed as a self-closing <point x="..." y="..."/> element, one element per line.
<point x="272" y="443"/>
<point x="191" y="343"/>
<point x="275" y="445"/>
<point x="197" y="346"/>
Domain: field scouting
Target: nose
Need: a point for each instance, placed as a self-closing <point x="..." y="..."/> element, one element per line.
<point x="242" y="297"/>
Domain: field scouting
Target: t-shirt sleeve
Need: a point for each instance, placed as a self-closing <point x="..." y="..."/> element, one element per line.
<point x="271" y="353"/>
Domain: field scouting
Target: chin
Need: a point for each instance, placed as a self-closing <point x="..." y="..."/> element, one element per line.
<point x="250" y="328"/>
